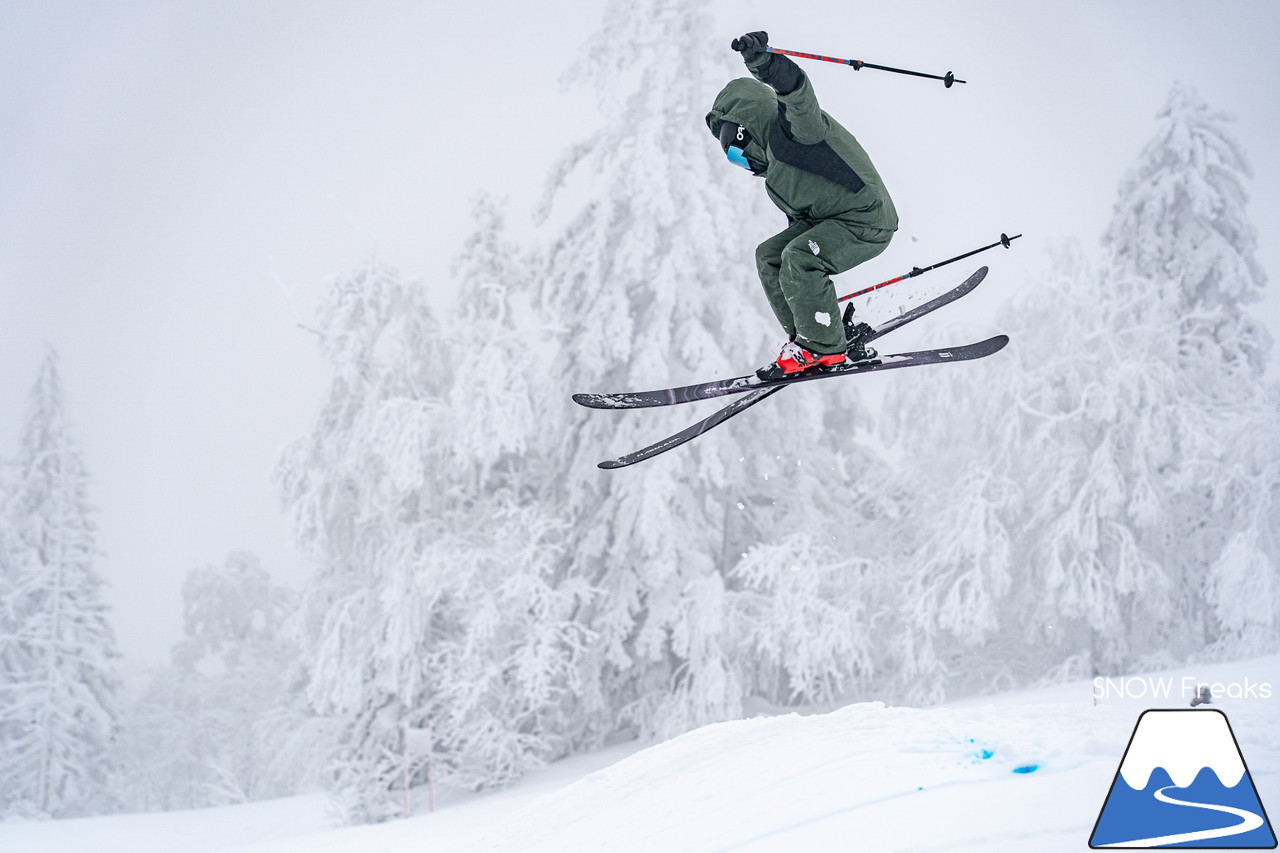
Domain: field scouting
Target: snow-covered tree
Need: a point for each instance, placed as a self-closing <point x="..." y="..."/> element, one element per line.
<point x="650" y="281"/>
<point x="1127" y="472"/>
<point x="1181" y="224"/>
<point x="478" y="579"/>
<point x="14" y="655"/>
<point x="58" y="686"/>
<point x="1242" y="586"/>
<point x="800" y="614"/>
<point x="435" y="606"/>
<point x="1181" y="229"/>
<point x="201" y="734"/>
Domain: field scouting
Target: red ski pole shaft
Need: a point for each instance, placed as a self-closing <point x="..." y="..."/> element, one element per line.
<point x="874" y="287"/>
<point x="858" y="65"/>
<point x="1004" y="240"/>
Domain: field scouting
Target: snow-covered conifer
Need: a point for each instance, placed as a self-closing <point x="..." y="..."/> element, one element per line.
<point x="1181" y="223"/>
<point x="1182" y="232"/>
<point x="59" y="683"/>
<point x="434" y="606"/>
<point x="1126" y="468"/>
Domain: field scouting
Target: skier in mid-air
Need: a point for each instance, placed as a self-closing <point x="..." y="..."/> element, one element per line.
<point x="838" y="209"/>
<point x="839" y="214"/>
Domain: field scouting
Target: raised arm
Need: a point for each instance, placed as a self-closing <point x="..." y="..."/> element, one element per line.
<point x="808" y="124"/>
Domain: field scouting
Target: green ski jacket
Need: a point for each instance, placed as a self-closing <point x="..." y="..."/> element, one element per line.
<point x="815" y="169"/>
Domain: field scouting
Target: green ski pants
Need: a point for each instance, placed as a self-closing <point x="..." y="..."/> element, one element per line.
<point x="796" y="268"/>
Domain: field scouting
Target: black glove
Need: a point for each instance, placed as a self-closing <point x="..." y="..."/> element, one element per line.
<point x="751" y="46"/>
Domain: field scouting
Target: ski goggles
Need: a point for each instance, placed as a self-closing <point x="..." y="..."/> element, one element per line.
<point x="734" y="140"/>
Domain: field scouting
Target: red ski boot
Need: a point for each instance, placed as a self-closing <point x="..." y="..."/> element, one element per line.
<point x="794" y="360"/>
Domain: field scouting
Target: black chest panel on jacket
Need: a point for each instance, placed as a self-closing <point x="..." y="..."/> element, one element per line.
<point x="820" y="159"/>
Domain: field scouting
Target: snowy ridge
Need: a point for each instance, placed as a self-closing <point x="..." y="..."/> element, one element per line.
<point x="1161" y="740"/>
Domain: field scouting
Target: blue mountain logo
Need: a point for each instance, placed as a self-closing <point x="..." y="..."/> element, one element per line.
<point x="1183" y="783"/>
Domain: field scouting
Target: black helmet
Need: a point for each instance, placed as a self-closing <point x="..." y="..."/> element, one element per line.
<point x="734" y="139"/>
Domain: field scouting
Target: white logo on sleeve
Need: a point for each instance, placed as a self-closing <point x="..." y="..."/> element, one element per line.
<point x="814" y="247"/>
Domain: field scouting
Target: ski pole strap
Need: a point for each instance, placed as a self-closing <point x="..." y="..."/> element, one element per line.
<point x="857" y="65"/>
<point x="1004" y="240"/>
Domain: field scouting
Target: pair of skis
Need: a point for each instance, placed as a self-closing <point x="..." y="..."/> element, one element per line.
<point x="754" y="390"/>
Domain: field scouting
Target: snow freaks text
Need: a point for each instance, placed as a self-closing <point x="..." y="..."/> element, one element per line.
<point x="1168" y="687"/>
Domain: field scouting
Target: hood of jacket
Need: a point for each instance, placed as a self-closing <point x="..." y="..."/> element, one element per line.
<point x="750" y="103"/>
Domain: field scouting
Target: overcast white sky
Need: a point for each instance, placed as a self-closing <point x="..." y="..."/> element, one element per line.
<point x="178" y="180"/>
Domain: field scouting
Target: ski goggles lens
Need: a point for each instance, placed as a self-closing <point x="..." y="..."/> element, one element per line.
<point x="737" y="157"/>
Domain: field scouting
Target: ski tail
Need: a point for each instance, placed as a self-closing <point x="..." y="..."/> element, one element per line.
<point x="689" y="433"/>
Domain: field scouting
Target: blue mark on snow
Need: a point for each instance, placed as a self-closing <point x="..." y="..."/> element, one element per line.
<point x="1027" y="768"/>
<point x="985" y="754"/>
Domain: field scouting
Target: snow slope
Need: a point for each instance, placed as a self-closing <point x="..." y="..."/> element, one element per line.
<point x="1029" y="773"/>
<point x="1020" y="772"/>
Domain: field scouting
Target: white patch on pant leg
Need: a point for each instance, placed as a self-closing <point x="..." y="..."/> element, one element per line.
<point x="813" y="247"/>
<point x="823" y="317"/>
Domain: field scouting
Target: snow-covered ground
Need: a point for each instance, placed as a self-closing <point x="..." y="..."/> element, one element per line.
<point x="1026" y="771"/>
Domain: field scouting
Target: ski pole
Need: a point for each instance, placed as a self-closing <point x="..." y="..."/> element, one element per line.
<point x="1004" y="240"/>
<point x="858" y="65"/>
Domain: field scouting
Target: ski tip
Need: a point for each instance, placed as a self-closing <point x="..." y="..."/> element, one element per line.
<point x="611" y="464"/>
<point x="991" y="346"/>
<point x="973" y="280"/>
<point x="611" y="401"/>
<point x="592" y="401"/>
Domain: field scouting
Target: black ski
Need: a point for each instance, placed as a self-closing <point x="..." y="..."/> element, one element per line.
<point x="967" y="352"/>
<point x="742" y="384"/>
